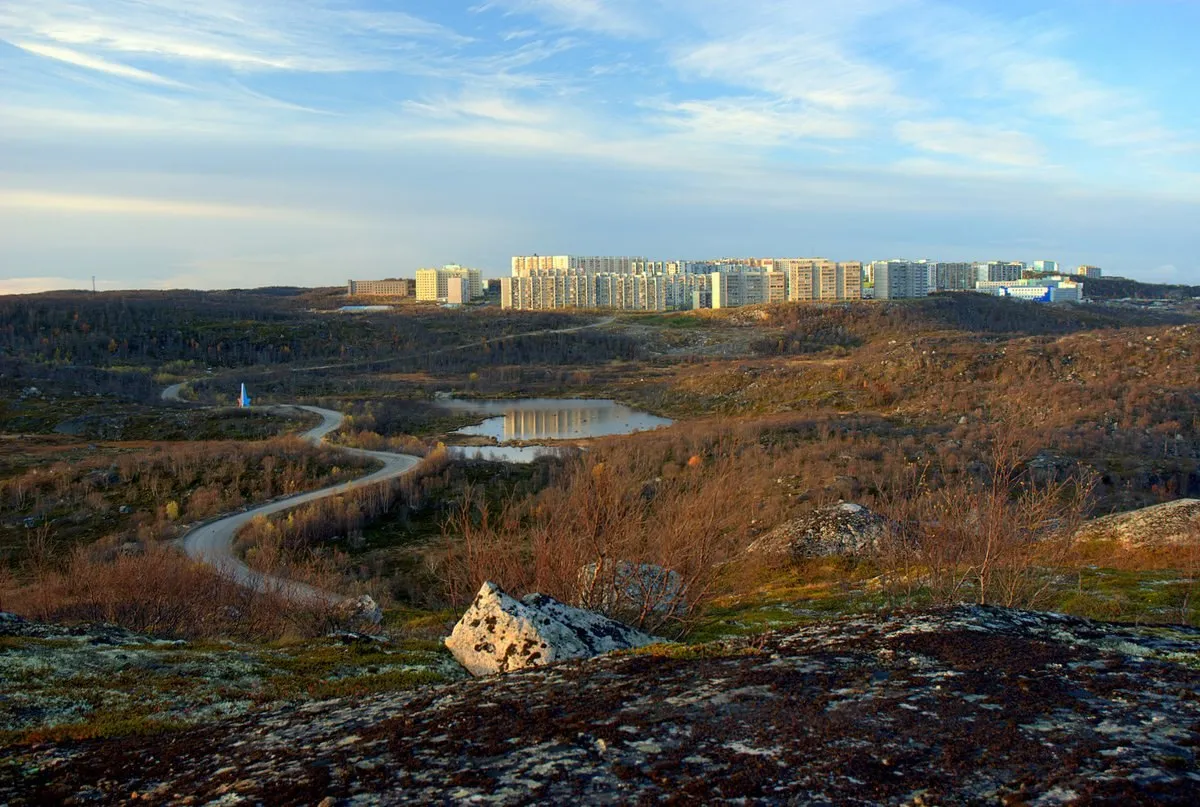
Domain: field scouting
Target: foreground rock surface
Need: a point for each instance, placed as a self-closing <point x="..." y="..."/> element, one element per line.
<point x="500" y="634"/>
<point x="968" y="705"/>
<point x="1167" y="524"/>
<point x="844" y="528"/>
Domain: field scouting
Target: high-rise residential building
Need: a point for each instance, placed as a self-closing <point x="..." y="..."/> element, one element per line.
<point x="432" y="284"/>
<point x="528" y="265"/>
<point x="900" y="279"/>
<point x="746" y="287"/>
<point x="458" y="290"/>
<point x="953" y="276"/>
<point x="822" y="279"/>
<point x="391" y="287"/>
<point x="993" y="271"/>
<point x="1089" y="271"/>
<point x="1045" y="267"/>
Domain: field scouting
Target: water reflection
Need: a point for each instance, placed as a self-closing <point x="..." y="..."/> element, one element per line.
<point x="554" y="419"/>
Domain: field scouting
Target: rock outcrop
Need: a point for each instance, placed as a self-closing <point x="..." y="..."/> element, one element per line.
<point x="1171" y="523"/>
<point x="839" y="529"/>
<point x="965" y="705"/>
<point x="623" y="586"/>
<point x="501" y="634"/>
<point x="360" y="610"/>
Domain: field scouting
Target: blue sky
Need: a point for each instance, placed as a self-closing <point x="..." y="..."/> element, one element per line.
<point x="223" y="143"/>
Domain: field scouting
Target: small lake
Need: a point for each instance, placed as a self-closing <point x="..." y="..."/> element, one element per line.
<point x="553" y="418"/>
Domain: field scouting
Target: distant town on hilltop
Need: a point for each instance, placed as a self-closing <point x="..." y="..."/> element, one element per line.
<point x="542" y="282"/>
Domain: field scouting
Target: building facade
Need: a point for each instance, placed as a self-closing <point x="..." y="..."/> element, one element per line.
<point x="994" y="271"/>
<point x="953" y="276"/>
<point x="899" y="279"/>
<point x="1089" y="271"/>
<point x="1038" y="290"/>
<point x="432" y="285"/>
<point x="391" y="287"/>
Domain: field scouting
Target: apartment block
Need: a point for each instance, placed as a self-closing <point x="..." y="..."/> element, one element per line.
<point x="994" y="271"/>
<point x="821" y="279"/>
<point x="1089" y="271"/>
<point x="529" y="265"/>
<point x="900" y="279"/>
<point x="433" y="284"/>
<point x="391" y="287"/>
<point x="953" y="276"/>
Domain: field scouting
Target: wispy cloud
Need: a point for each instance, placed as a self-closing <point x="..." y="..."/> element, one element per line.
<point x="612" y="17"/>
<point x="989" y="143"/>
<point x="77" y="59"/>
<point x="61" y="202"/>
<point x="263" y="35"/>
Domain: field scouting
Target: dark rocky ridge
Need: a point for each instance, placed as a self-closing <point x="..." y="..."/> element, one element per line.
<point x="969" y="705"/>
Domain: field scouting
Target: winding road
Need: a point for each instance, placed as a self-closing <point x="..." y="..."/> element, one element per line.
<point x="212" y="543"/>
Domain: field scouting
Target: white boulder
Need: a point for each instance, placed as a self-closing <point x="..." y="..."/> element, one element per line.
<point x="500" y="634"/>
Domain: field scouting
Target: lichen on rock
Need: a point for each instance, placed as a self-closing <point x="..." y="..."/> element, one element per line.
<point x="500" y="634"/>
<point x="844" y="528"/>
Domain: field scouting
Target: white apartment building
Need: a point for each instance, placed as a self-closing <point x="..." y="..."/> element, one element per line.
<point x="900" y="279"/>
<point x="433" y="284"/>
<point x="1050" y="267"/>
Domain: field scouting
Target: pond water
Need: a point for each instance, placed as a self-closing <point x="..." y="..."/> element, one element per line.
<point x="553" y="418"/>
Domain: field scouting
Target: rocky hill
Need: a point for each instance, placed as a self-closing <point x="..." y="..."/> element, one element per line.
<point x="964" y="705"/>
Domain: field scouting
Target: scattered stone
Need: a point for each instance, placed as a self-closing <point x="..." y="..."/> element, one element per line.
<point x="500" y="634"/>
<point x="623" y="587"/>
<point x="360" y="609"/>
<point x="839" y="529"/>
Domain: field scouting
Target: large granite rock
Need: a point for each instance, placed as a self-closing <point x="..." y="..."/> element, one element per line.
<point x="840" y="529"/>
<point x="623" y="587"/>
<point x="1170" y="524"/>
<point x="499" y="633"/>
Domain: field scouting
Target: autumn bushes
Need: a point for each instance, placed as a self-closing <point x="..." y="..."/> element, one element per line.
<point x="160" y="592"/>
<point x="137" y="495"/>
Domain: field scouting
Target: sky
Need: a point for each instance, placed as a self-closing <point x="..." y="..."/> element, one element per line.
<point x="242" y="143"/>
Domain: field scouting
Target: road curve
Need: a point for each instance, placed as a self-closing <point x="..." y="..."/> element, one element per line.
<point x="171" y="393"/>
<point x="212" y="543"/>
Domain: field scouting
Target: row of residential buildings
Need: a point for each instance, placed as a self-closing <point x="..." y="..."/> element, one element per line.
<point x="628" y="283"/>
<point x="636" y="284"/>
